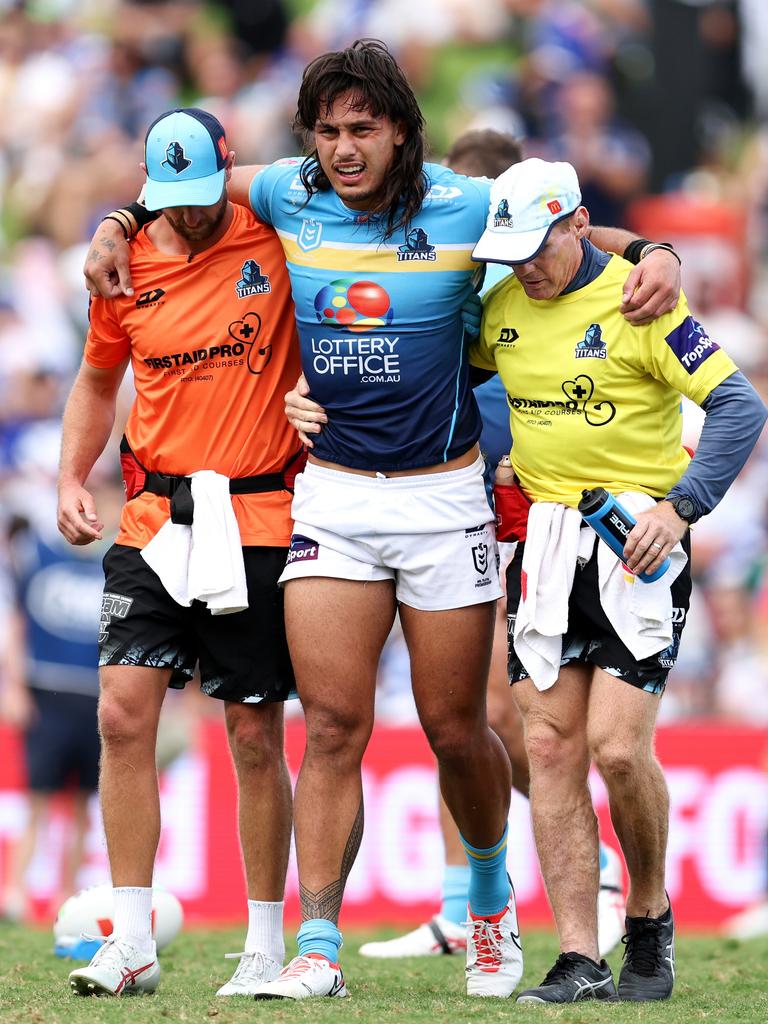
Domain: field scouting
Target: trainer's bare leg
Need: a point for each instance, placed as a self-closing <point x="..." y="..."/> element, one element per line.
<point x="564" y="822"/>
<point x="336" y="630"/>
<point x="450" y="656"/>
<point x="129" y="710"/>
<point x="256" y="739"/>
<point x="620" y="735"/>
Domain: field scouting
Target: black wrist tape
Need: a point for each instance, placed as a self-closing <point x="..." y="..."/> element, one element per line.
<point x="141" y="214"/>
<point x="634" y="249"/>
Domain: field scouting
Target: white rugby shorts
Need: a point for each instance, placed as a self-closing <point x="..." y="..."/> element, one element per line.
<point x="433" y="534"/>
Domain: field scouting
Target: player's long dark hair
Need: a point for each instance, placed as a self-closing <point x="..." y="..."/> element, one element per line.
<point x="368" y="71"/>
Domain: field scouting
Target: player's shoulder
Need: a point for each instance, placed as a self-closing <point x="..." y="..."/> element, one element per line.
<point x="283" y="177"/>
<point x="447" y="186"/>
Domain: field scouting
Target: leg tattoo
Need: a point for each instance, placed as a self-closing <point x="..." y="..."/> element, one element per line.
<point x="326" y="903"/>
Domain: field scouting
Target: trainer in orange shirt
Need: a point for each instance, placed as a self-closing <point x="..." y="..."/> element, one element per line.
<point x="211" y="340"/>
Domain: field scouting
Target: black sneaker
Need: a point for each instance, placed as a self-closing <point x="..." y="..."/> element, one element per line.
<point x="573" y="977"/>
<point x="649" y="958"/>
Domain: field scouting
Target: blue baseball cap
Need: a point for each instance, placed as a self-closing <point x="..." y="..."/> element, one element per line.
<point x="185" y="152"/>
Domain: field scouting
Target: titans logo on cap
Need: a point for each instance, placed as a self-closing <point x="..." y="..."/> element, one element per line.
<point x="503" y="217"/>
<point x="175" y="158"/>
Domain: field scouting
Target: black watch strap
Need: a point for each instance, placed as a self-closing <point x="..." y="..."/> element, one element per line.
<point x="684" y="506"/>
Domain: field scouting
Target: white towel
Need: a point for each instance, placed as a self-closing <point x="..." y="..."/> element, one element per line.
<point x="203" y="562"/>
<point x="549" y="562"/>
<point x="641" y="613"/>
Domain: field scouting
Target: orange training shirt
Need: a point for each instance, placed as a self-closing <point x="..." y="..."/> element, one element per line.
<point x="212" y="341"/>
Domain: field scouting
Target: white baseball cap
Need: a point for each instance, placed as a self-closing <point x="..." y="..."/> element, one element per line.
<point x="527" y="200"/>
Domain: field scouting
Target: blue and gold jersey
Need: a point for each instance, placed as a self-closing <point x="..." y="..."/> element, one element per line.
<point x="593" y="401"/>
<point x="382" y="341"/>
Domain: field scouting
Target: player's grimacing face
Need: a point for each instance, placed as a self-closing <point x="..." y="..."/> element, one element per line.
<point x="356" y="151"/>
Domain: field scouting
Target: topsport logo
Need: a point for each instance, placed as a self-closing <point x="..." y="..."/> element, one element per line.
<point x="691" y="344"/>
<point x="354" y="305"/>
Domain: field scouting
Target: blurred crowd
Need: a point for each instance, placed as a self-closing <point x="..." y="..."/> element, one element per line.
<point x="662" y="106"/>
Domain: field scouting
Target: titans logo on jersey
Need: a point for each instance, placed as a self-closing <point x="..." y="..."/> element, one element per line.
<point x="252" y="281"/>
<point x="592" y="345"/>
<point x="416" y="247"/>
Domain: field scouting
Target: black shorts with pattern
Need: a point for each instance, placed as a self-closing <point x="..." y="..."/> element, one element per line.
<point x="590" y="637"/>
<point x="242" y="657"/>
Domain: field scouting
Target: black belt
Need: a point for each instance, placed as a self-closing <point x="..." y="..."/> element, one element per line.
<point x="179" y="490"/>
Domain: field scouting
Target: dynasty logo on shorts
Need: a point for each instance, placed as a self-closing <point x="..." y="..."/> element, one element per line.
<point x="303" y="549"/>
<point x="113" y="606"/>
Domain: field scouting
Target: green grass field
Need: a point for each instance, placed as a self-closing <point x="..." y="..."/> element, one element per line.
<point x="718" y="981"/>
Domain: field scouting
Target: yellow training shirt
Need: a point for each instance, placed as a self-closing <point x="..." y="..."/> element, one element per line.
<point x="594" y="401"/>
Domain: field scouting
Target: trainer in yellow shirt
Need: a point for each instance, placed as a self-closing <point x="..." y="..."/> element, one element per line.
<point x="595" y="402"/>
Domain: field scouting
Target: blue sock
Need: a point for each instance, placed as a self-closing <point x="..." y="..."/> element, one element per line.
<point x="455" y="892"/>
<point x="488" y="881"/>
<point x="320" y="936"/>
<point x="603" y="857"/>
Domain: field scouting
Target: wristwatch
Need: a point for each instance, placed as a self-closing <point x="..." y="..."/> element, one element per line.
<point x="684" y="506"/>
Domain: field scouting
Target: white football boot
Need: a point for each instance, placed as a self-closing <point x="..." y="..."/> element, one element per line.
<point x="117" y="969"/>
<point x="305" y="976"/>
<point x="611" y="907"/>
<point x="252" y="971"/>
<point x="494" y="953"/>
<point x="438" y="937"/>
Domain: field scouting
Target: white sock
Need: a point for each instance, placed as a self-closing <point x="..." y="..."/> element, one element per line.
<point x="265" y="930"/>
<point x="133" y="916"/>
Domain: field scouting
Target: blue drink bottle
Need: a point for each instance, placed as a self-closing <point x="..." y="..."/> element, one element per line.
<point x="613" y="523"/>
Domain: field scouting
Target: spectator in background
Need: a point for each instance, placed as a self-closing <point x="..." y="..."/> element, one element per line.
<point x="610" y="158"/>
<point x="49" y="677"/>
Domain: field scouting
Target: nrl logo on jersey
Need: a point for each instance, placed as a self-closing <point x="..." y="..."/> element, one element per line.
<point x="416" y="247"/>
<point x="592" y="345"/>
<point x="252" y="282"/>
<point x="310" y="234"/>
